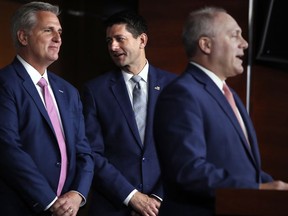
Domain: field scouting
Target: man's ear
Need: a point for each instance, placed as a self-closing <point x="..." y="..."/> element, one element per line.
<point x="205" y="44"/>
<point x="22" y="37"/>
<point x="143" y="40"/>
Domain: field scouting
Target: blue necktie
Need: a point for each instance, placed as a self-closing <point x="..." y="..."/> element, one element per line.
<point x="139" y="106"/>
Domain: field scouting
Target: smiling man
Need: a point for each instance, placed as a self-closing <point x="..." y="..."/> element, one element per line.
<point x="127" y="173"/>
<point x="205" y="138"/>
<point x="46" y="165"/>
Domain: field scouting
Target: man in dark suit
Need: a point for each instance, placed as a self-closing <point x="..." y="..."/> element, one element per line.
<point x="36" y="176"/>
<point x="127" y="172"/>
<point x="201" y="143"/>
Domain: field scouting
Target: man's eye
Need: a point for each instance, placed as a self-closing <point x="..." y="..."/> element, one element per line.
<point x="120" y="39"/>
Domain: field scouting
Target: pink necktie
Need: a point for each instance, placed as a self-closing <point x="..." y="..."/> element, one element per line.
<point x="229" y="96"/>
<point x="51" y="109"/>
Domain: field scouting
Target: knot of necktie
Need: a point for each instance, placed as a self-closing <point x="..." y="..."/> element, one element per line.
<point x="226" y="89"/>
<point x="136" y="79"/>
<point x="229" y="96"/>
<point x="42" y="82"/>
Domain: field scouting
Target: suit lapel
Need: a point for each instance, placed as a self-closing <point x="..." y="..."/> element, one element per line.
<point x="215" y="92"/>
<point x="221" y="100"/>
<point x="59" y="96"/>
<point x="63" y="106"/>
<point x="250" y="129"/>
<point x="31" y="89"/>
<point x="119" y="90"/>
<point x="154" y="88"/>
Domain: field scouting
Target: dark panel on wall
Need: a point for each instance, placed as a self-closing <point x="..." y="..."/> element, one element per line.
<point x="268" y="86"/>
<point x="270" y="33"/>
<point x="7" y="51"/>
<point x="269" y="107"/>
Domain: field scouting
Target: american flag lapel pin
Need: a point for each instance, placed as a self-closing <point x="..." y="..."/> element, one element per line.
<point x="157" y="88"/>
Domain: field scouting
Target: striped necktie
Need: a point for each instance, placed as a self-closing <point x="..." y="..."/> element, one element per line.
<point x="139" y="106"/>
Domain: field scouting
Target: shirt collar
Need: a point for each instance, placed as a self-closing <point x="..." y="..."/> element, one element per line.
<point x="33" y="73"/>
<point x="143" y="73"/>
<point x="212" y="75"/>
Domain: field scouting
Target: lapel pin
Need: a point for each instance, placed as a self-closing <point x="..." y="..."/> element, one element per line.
<point x="157" y="88"/>
<point x="61" y="91"/>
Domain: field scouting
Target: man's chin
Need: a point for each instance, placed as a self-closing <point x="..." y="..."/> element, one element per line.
<point x="240" y="70"/>
<point x="120" y="64"/>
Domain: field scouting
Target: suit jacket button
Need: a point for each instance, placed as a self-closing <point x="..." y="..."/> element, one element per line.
<point x="58" y="164"/>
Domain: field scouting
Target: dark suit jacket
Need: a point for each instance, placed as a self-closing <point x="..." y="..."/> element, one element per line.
<point x="121" y="162"/>
<point x="201" y="145"/>
<point x="29" y="153"/>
